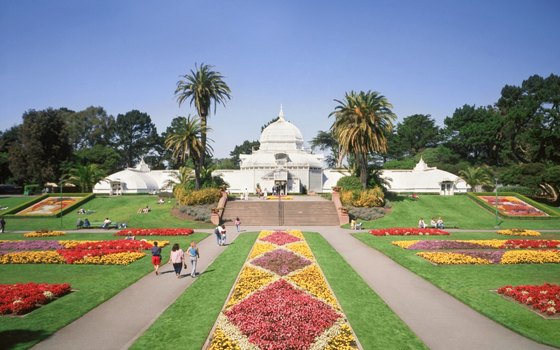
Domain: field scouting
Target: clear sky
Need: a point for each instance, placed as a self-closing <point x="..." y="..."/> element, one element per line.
<point x="427" y="57"/>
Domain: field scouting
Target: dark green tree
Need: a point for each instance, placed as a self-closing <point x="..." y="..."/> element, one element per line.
<point x="90" y="127"/>
<point x="42" y="147"/>
<point x="135" y="136"/>
<point x="7" y="139"/>
<point x="246" y="147"/>
<point x="417" y="132"/>
<point x="106" y="157"/>
<point x="325" y="141"/>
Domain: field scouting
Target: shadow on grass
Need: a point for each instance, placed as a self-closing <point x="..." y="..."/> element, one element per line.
<point x="14" y="337"/>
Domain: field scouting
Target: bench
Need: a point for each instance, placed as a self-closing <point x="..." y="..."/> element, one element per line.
<point x="113" y="225"/>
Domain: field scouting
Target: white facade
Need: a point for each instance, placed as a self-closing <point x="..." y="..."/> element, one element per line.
<point x="280" y="161"/>
<point x="424" y="179"/>
<point x="136" y="180"/>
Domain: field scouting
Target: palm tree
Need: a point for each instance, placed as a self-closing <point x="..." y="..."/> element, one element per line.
<point x="475" y="176"/>
<point x="203" y="87"/>
<point x="86" y="176"/>
<point x="186" y="142"/>
<point x="325" y="140"/>
<point x="181" y="178"/>
<point x="362" y="121"/>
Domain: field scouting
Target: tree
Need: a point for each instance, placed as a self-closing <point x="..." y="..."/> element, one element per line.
<point x="42" y="147"/>
<point x="86" y="176"/>
<point x="416" y="133"/>
<point x="532" y="120"/>
<point x="89" y="128"/>
<point x="106" y="157"/>
<point x="246" y="147"/>
<point x="186" y="143"/>
<point x="325" y="141"/>
<point x="135" y="136"/>
<point x="7" y="139"/>
<point x="476" y="176"/>
<point x="203" y="88"/>
<point x="475" y="134"/>
<point x="362" y="122"/>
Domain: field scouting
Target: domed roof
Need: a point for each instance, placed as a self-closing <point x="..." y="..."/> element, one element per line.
<point x="281" y="136"/>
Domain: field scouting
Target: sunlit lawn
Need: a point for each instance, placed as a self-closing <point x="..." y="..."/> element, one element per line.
<point x="474" y="284"/>
<point x="12" y="202"/>
<point x="117" y="208"/>
<point x="457" y="211"/>
<point x="93" y="284"/>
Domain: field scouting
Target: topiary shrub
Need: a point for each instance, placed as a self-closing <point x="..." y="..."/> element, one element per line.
<point x="349" y="183"/>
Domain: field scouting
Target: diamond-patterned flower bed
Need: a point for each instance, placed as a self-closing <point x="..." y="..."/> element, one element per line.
<point x="281" y="300"/>
<point x="281" y="261"/>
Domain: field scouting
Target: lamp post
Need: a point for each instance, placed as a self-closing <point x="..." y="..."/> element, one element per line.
<point x="496" y="202"/>
<point x="61" y="182"/>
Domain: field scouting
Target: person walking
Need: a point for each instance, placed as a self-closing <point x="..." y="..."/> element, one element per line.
<point x="177" y="258"/>
<point x="156" y="257"/>
<point x="218" y="232"/>
<point x="193" y="254"/>
<point x="223" y="235"/>
<point x="237" y="223"/>
<point x="2" y="224"/>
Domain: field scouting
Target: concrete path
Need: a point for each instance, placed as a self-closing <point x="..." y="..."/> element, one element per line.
<point x="118" y="322"/>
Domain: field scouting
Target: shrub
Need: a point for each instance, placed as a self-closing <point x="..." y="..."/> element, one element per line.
<point x="198" y="212"/>
<point x="366" y="214"/>
<point x="203" y="196"/>
<point x="373" y="197"/>
<point x="349" y="183"/>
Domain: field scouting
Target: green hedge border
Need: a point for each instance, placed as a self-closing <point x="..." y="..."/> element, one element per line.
<point x="12" y="214"/>
<point x="485" y="205"/>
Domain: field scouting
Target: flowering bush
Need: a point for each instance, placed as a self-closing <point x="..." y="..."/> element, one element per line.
<point x="493" y="257"/>
<point x="544" y="298"/>
<point x="409" y="232"/>
<point x="22" y="298"/>
<point x="518" y="232"/>
<point x="43" y="234"/>
<point x="155" y="232"/>
<point x="477" y="244"/>
<point x="281" y="300"/>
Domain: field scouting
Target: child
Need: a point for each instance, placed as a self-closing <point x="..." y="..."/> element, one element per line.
<point x="237" y="223"/>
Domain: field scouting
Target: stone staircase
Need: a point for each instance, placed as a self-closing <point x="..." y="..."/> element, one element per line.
<point x="283" y="213"/>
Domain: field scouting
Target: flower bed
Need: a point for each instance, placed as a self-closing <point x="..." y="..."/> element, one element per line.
<point x="544" y="298"/>
<point x="518" y="232"/>
<point x="43" y="234"/>
<point x="492" y="257"/>
<point x="512" y="206"/>
<point x="479" y="244"/>
<point x="409" y="232"/>
<point x="117" y="252"/>
<point x="281" y="300"/>
<point x="155" y="232"/>
<point x="21" y="298"/>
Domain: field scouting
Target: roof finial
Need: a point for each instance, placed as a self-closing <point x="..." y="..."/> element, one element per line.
<point x="281" y="114"/>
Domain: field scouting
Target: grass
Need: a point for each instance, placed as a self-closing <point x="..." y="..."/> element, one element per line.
<point x="374" y="323"/>
<point x="93" y="284"/>
<point x="188" y="322"/>
<point x="12" y="202"/>
<point x="456" y="211"/>
<point x="473" y="284"/>
<point x="117" y="208"/>
<point x="198" y="308"/>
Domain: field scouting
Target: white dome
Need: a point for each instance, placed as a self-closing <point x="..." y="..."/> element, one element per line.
<point x="281" y="136"/>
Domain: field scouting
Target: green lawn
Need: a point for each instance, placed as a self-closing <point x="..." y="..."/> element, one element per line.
<point x="456" y="211"/>
<point x="93" y="284"/>
<point x="376" y="326"/>
<point x="12" y="202"/>
<point x="474" y="284"/>
<point x="117" y="208"/>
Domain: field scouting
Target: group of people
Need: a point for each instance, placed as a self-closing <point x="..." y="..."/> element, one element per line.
<point x="145" y="210"/>
<point x="433" y="223"/>
<point x="220" y="233"/>
<point x="83" y="223"/>
<point x="177" y="257"/>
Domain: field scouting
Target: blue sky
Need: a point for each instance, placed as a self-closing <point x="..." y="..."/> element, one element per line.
<point x="427" y="57"/>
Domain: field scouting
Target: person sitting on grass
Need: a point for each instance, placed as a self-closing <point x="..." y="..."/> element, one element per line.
<point x="79" y="223"/>
<point x="86" y="224"/>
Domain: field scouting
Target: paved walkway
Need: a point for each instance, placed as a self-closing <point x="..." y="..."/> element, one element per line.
<point x="118" y="322"/>
<point x="439" y="320"/>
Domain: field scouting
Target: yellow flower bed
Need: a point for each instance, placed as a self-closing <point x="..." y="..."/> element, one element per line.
<point x="250" y="280"/>
<point x="38" y="257"/>
<point x="312" y="280"/>
<point x="446" y="258"/>
<point x="518" y="232"/>
<point x="287" y="198"/>
<point x="296" y="233"/>
<point x="222" y="342"/>
<point x="301" y="248"/>
<point x="531" y="257"/>
<point x="44" y="234"/>
<point x="71" y="243"/>
<point x="404" y="244"/>
<point x="265" y="233"/>
<point x="261" y="248"/>
<point x="112" y="259"/>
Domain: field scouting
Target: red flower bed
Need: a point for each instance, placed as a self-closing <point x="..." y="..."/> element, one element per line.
<point x="409" y="232"/>
<point x="531" y="243"/>
<point x="273" y="316"/>
<point x="544" y="298"/>
<point x="155" y="232"/>
<point x="280" y="238"/>
<point x="102" y="248"/>
<point x="22" y="298"/>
